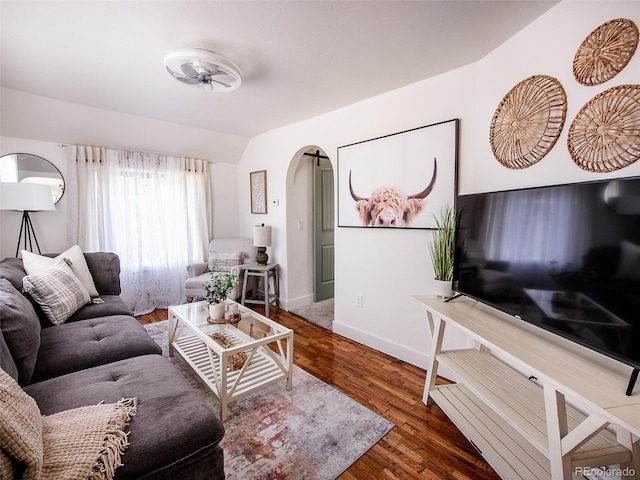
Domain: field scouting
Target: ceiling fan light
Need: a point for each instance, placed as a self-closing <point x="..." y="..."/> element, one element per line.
<point x="203" y="69"/>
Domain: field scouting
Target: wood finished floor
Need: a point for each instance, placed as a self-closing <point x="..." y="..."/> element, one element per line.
<point x="424" y="444"/>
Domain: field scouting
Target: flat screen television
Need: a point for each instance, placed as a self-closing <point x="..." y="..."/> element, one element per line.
<point x="565" y="258"/>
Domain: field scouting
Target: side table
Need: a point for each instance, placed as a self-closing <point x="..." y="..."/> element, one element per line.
<point x="260" y="291"/>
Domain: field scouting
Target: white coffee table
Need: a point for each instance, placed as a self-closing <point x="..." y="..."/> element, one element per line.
<point x="190" y="335"/>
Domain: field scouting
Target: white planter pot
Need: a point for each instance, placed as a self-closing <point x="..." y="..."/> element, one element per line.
<point x="216" y="311"/>
<point x="442" y="288"/>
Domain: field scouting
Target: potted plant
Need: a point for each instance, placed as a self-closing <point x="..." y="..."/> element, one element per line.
<point x="216" y="292"/>
<point x="443" y="248"/>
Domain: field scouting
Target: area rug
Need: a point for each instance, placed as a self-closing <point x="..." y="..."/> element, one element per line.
<point x="311" y="432"/>
<point x="320" y="313"/>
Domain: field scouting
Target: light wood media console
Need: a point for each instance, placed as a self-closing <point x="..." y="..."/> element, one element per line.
<point x="536" y="405"/>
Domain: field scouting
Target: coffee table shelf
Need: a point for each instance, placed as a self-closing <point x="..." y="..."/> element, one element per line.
<point x="190" y="335"/>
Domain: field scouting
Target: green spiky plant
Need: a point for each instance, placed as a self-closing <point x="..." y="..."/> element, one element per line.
<point x="443" y="244"/>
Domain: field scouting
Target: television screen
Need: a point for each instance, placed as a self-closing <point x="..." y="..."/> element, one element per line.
<point x="565" y="258"/>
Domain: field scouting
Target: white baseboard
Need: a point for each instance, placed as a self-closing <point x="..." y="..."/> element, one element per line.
<point x="414" y="357"/>
<point x="296" y="302"/>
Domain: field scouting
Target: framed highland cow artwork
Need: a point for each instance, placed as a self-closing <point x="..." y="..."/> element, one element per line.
<point x="400" y="180"/>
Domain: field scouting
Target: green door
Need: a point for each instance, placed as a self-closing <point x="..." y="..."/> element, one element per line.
<point x="323" y="220"/>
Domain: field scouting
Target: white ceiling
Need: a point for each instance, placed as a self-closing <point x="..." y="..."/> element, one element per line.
<point x="298" y="59"/>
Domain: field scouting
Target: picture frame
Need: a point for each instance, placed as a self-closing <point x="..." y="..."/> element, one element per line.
<point x="258" y="184"/>
<point x="400" y="180"/>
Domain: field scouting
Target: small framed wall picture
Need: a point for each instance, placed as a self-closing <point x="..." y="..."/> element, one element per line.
<point x="258" y="181"/>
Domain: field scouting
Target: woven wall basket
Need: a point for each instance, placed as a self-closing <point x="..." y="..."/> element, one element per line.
<point x="605" y="135"/>
<point x="528" y="121"/>
<point x="605" y="52"/>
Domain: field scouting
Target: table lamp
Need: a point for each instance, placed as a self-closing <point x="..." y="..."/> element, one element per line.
<point x="25" y="198"/>
<point x="262" y="240"/>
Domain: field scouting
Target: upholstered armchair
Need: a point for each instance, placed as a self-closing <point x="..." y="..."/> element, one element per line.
<point x="225" y="255"/>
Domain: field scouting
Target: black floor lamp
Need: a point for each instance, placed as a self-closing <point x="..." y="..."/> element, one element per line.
<point x="26" y="198"/>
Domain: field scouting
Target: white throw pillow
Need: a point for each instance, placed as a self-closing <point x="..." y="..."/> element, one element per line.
<point x="34" y="263"/>
<point x="58" y="291"/>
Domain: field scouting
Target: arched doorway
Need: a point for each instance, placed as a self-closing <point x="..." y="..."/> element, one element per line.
<point x="310" y="224"/>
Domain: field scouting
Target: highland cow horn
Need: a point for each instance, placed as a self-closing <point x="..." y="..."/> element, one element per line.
<point x="427" y="190"/>
<point x="355" y="197"/>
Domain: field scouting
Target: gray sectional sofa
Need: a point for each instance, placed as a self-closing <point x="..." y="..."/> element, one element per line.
<point x="102" y="354"/>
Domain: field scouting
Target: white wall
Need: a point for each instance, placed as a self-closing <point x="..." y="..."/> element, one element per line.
<point x="24" y="115"/>
<point x="387" y="266"/>
<point x="51" y="227"/>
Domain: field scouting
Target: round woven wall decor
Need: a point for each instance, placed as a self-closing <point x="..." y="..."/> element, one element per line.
<point x="605" y="52"/>
<point x="605" y="135"/>
<point x="528" y="121"/>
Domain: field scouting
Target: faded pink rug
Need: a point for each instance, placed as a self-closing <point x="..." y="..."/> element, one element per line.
<point x="312" y="432"/>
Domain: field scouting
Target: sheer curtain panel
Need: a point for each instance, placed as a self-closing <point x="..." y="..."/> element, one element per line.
<point x="153" y="210"/>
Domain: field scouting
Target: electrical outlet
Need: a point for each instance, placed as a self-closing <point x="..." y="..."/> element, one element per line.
<point x="300" y="224"/>
<point x="359" y="300"/>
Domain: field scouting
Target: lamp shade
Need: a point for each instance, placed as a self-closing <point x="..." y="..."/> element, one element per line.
<point x="25" y="197"/>
<point x="262" y="235"/>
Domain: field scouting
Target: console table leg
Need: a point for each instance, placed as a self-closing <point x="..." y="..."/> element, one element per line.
<point x="437" y="327"/>
<point x="556" y="413"/>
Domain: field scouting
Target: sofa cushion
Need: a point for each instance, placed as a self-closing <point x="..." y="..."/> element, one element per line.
<point x="111" y="305"/>
<point x="34" y="263"/>
<point x="57" y="290"/>
<point x="12" y="270"/>
<point x="173" y="427"/>
<point x="87" y="343"/>
<point x="20" y="328"/>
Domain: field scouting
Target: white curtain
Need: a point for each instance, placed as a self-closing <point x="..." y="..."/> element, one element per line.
<point x="153" y="210"/>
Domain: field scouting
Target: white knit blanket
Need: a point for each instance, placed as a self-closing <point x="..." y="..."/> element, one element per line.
<point x="86" y="442"/>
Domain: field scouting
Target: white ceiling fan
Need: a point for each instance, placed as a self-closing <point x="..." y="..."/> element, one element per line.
<point x="203" y="69"/>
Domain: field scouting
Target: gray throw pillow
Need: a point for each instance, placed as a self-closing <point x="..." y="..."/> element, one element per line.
<point x="20" y="328"/>
<point x="58" y="292"/>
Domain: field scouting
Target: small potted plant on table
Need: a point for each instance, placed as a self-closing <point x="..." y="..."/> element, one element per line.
<point x="216" y="292"/>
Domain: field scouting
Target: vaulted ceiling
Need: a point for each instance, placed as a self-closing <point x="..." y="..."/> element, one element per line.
<point x="298" y="59"/>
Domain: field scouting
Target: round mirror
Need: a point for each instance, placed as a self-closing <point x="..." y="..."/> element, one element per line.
<point x="28" y="168"/>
